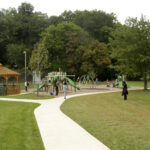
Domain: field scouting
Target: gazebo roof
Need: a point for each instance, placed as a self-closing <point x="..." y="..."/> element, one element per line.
<point x="6" y="71"/>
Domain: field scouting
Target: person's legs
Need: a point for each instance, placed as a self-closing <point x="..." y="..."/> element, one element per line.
<point x="64" y="94"/>
<point x="26" y="88"/>
<point x="125" y="97"/>
<point x="57" y="93"/>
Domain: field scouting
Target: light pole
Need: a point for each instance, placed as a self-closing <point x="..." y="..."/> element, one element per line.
<point x="25" y="60"/>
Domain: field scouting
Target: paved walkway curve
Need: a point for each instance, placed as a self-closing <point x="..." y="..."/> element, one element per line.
<point x="58" y="131"/>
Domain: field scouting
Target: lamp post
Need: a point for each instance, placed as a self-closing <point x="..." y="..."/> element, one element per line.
<point x="25" y="59"/>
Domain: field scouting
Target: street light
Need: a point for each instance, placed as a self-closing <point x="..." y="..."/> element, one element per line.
<point x="25" y="65"/>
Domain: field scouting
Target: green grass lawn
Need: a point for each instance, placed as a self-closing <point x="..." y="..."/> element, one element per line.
<point x="119" y="124"/>
<point x="18" y="127"/>
<point x="136" y="83"/>
<point x="131" y="83"/>
<point x="29" y="96"/>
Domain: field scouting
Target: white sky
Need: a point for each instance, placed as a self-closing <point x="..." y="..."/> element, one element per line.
<point x="122" y="8"/>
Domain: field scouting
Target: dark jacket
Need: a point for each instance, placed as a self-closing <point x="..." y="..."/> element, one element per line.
<point x="56" y="87"/>
<point x="124" y="90"/>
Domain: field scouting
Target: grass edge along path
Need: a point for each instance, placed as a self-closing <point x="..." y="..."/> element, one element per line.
<point x="120" y="125"/>
<point x="18" y="127"/>
<point x="30" y="96"/>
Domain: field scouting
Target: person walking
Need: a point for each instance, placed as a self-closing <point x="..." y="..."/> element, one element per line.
<point x="96" y="82"/>
<point x="107" y="83"/>
<point x="57" y="90"/>
<point x="124" y="90"/>
<point x="65" y="89"/>
<point x="26" y="86"/>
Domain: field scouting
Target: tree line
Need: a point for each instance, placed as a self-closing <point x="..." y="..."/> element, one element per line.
<point x="79" y="42"/>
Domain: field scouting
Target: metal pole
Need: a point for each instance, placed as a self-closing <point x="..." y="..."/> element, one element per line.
<point x="25" y="66"/>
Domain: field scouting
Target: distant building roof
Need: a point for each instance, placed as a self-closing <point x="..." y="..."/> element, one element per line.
<point x="6" y="71"/>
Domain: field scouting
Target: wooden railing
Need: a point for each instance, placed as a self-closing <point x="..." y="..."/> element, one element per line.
<point x="12" y="89"/>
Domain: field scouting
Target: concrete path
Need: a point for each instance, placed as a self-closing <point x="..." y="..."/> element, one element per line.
<point x="58" y="131"/>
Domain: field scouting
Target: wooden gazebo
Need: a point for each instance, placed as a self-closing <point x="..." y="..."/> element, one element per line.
<point x="9" y="80"/>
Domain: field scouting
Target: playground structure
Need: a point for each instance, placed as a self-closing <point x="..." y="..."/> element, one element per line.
<point x="119" y="82"/>
<point x="48" y="83"/>
<point x="86" y="81"/>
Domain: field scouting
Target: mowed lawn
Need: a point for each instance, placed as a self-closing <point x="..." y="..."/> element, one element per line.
<point x="18" y="127"/>
<point x="137" y="83"/>
<point x="119" y="124"/>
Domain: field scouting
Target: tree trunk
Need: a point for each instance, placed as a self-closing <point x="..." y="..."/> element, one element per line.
<point x="145" y="83"/>
<point x="38" y="90"/>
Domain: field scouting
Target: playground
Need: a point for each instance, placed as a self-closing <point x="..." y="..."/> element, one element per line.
<point x="83" y="84"/>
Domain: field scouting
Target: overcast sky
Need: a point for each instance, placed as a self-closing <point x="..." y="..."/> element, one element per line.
<point x="122" y="8"/>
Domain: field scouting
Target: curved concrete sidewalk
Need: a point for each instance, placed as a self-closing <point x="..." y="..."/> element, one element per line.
<point x="59" y="132"/>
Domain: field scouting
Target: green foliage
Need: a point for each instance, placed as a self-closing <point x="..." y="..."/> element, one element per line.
<point x="25" y="9"/>
<point x="97" y="23"/>
<point x="71" y="49"/>
<point x="39" y="58"/>
<point x="15" y="54"/>
<point x="62" y="41"/>
<point x="22" y="27"/>
<point x="67" y="34"/>
<point x="130" y="47"/>
<point x="95" y="58"/>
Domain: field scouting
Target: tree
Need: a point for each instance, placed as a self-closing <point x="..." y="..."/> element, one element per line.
<point x="8" y="28"/>
<point x="30" y="25"/>
<point x="131" y="47"/>
<point x="95" y="58"/>
<point x="15" y="55"/>
<point x="20" y="28"/>
<point x="97" y="23"/>
<point x="25" y="9"/>
<point x="39" y="58"/>
<point x="54" y="20"/>
<point x="62" y="42"/>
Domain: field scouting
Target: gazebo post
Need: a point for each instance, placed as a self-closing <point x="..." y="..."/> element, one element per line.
<point x="6" y="78"/>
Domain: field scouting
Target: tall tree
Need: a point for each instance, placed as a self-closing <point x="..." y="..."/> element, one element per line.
<point x="95" y="58"/>
<point x="62" y="41"/>
<point x="97" y="23"/>
<point x="131" y="47"/>
<point x="20" y="28"/>
<point x="15" y="55"/>
<point x="39" y="58"/>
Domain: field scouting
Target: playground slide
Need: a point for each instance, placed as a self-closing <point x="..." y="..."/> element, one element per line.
<point x="120" y="85"/>
<point x="72" y="83"/>
<point x="40" y="86"/>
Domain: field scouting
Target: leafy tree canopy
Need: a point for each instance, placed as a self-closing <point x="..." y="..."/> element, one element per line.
<point x="62" y="42"/>
<point x="130" y="47"/>
<point x="39" y="58"/>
